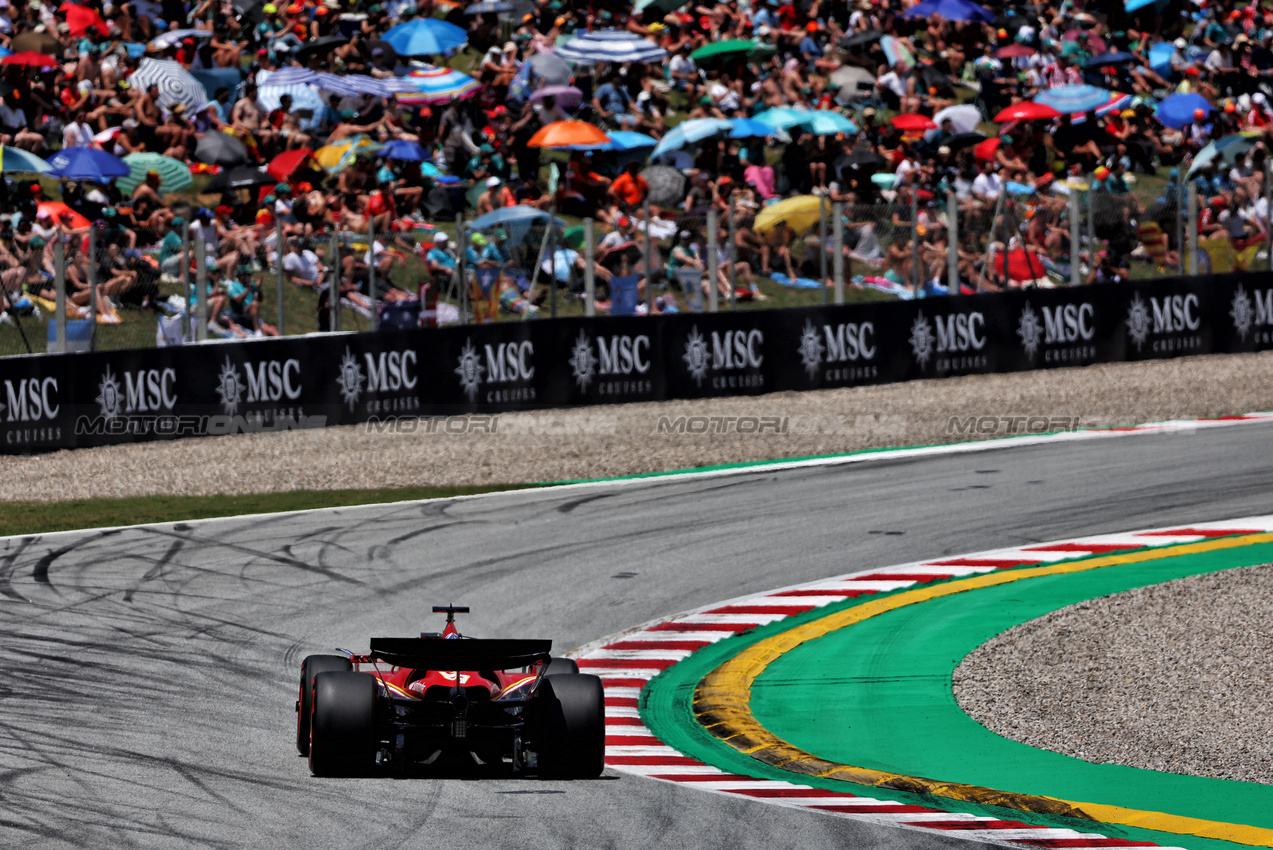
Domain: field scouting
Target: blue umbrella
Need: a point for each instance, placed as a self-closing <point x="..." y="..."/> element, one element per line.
<point x="749" y="128"/>
<point x="425" y="36"/>
<point x="404" y="150"/>
<point x="1110" y="59"/>
<point x="689" y="132"/>
<point x="1175" y="111"/>
<point x="1160" y="57"/>
<point x="620" y="140"/>
<point x="516" y="221"/>
<point x="782" y="117"/>
<point x="613" y="46"/>
<point x="951" y="10"/>
<point x="823" y="122"/>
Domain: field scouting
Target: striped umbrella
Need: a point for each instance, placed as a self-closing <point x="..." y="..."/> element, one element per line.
<point x="173" y="174"/>
<point x="350" y="85"/>
<point x="291" y="76"/>
<point x="1077" y="99"/>
<point x="489" y="7"/>
<point x="438" y="85"/>
<point x="15" y="159"/>
<point x="613" y="46"/>
<point x="176" y="85"/>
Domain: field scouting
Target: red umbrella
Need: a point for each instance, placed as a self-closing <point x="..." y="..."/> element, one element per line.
<point x="1015" y="51"/>
<point x="912" y="122"/>
<point x="283" y="165"/>
<point x="81" y="18"/>
<point x="1022" y="265"/>
<point x="29" y="57"/>
<point x="986" y="150"/>
<point x="1027" y="111"/>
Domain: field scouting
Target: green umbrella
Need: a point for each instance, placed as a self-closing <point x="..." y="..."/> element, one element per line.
<point x="573" y="237"/>
<point x="721" y="50"/>
<point x="173" y="174"/>
<point x="18" y="160"/>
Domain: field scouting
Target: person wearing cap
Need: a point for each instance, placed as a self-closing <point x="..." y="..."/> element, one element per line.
<point x="495" y="196"/>
<point x="439" y="260"/>
<point x="1258" y="117"/>
<point x="480" y="253"/>
<point x="683" y="71"/>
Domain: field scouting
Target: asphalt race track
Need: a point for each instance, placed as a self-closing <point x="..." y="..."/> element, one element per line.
<point x="148" y="676"/>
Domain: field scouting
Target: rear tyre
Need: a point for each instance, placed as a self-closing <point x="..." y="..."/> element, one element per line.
<point x="558" y="666"/>
<point x="311" y="667"/>
<point x="342" y="735"/>
<point x="572" y="728"/>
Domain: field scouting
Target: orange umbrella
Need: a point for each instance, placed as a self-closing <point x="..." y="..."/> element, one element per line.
<point x="56" y="209"/>
<point x="563" y="134"/>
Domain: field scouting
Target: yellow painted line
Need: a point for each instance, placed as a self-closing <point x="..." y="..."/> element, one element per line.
<point x="722" y="703"/>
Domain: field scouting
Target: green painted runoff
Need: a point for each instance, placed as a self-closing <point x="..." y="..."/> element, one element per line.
<point x="878" y="694"/>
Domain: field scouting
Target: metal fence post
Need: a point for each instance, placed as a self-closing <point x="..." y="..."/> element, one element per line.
<point x="188" y="336"/>
<point x="713" y="257"/>
<point x="589" y="273"/>
<point x="1268" y="210"/>
<point x="822" y="243"/>
<point x="915" y="235"/>
<point x="92" y="286"/>
<point x="1091" y="221"/>
<point x="1192" y="265"/>
<point x="952" y="243"/>
<point x="1076" y="237"/>
<point x="59" y="284"/>
<point x="1182" y="206"/>
<point x="278" y="229"/>
<point x="730" y="251"/>
<point x="649" y="271"/>
<point x="462" y="273"/>
<point x="333" y="294"/>
<point x="552" y="261"/>
<point x="371" y="273"/>
<point x="837" y="266"/>
<point x="201" y="291"/>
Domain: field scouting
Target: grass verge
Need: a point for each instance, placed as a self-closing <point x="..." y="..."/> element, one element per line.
<point x="44" y="517"/>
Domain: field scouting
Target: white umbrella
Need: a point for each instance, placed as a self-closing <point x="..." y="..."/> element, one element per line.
<point x="176" y="84"/>
<point x="965" y="118"/>
<point x="168" y="39"/>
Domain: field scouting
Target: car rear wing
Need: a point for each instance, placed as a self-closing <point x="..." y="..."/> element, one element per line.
<point x="462" y="654"/>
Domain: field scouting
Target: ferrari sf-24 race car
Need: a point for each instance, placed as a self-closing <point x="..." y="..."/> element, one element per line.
<point x="447" y="700"/>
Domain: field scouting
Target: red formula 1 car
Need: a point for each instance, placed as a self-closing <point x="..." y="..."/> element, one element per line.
<point x="446" y="700"/>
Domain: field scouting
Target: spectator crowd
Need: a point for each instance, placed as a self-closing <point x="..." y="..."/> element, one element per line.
<point x="332" y="120"/>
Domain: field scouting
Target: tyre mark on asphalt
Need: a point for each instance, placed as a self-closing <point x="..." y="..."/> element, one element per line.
<point x="569" y="507"/>
<point x="7" y="567"/>
<point x="41" y="571"/>
<point x="256" y="553"/>
<point x="156" y="570"/>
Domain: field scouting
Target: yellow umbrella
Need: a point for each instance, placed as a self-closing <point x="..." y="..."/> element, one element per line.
<point x="801" y="213"/>
<point x="336" y="158"/>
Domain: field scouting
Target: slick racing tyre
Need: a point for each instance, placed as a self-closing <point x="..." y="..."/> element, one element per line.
<point x="558" y="666"/>
<point x="342" y="735"/>
<point x="311" y="667"/>
<point x="572" y="728"/>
